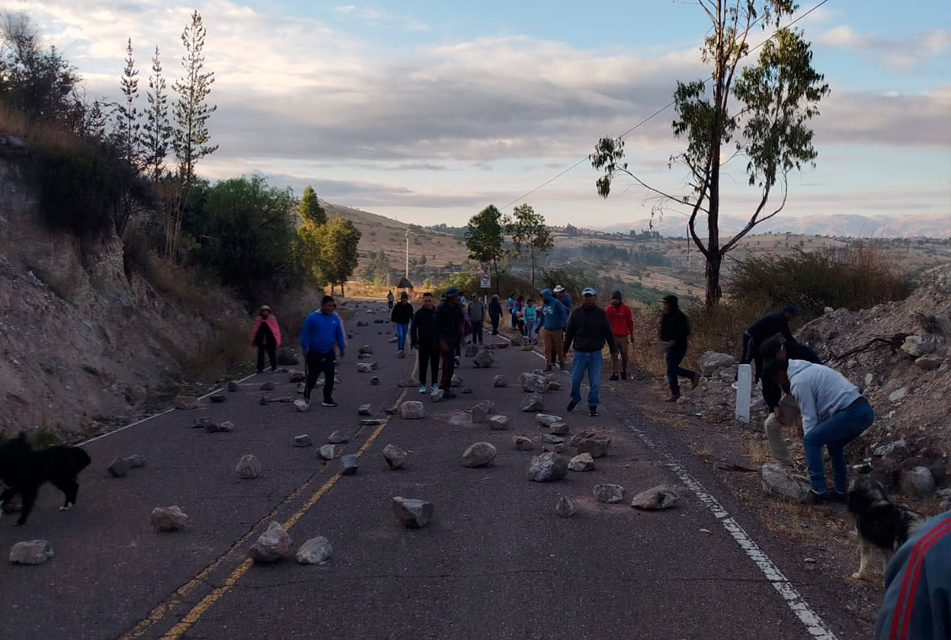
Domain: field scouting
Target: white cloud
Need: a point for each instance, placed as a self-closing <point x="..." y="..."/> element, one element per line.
<point x="897" y="54"/>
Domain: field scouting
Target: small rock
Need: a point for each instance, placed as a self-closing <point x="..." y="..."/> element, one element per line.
<point x="533" y="383"/>
<point x="301" y="405"/>
<point x="918" y="482"/>
<point x="547" y="420"/>
<point x="202" y="423"/>
<point x="480" y="412"/>
<point x="500" y="381"/>
<point x="412" y="410"/>
<point x="365" y="350"/>
<point x="394" y="456"/>
<point x="118" y="468"/>
<point x="483" y="359"/>
<point x="827" y="310"/>
<point x="581" y="462"/>
<point x="456" y="380"/>
<point x="928" y="363"/>
<point x="349" y="464"/>
<point x="329" y="451"/>
<point x="559" y="429"/>
<point x="868" y="379"/>
<point x="533" y="403"/>
<point x="186" y="403"/>
<point x="471" y="350"/>
<point x="597" y="446"/>
<point x="898" y="395"/>
<point x="412" y="513"/>
<point x="559" y="447"/>
<point x="168" y="519"/>
<point x="553" y="439"/>
<point x="365" y="409"/>
<point x="135" y="461"/>
<point x="374" y="381"/>
<point x="361" y="323"/>
<point x="409" y="383"/>
<point x="437" y="395"/>
<point x="892" y="447"/>
<point x="267" y="386"/>
<point x="808" y="559"/>
<point x="295" y="377"/>
<point x="372" y="422"/>
<point x="248" y="467"/>
<point x="522" y="443"/>
<point x="784" y="482"/>
<point x="232" y="386"/>
<point x="263" y="401"/>
<point x="217" y="398"/>
<point x="547" y="467"/>
<point x="32" y="552"/>
<point x="655" y="499"/>
<point x="227" y="426"/>
<point x="609" y="493"/>
<point x="365" y="367"/>
<point x="315" y="551"/>
<point x="467" y="390"/>
<point x="338" y="437"/>
<point x="498" y="422"/>
<point x="916" y="346"/>
<point x="273" y="545"/>
<point x="478" y="454"/>
<point x="564" y="507"/>
<point x="554" y="385"/>
<point x="303" y="440"/>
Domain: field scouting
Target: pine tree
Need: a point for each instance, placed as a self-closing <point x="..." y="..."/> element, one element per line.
<point x="192" y="111"/>
<point x="310" y="208"/>
<point x="127" y="115"/>
<point x="155" y="138"/>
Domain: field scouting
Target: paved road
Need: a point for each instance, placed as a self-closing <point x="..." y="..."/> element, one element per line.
<point x="495" y="563"/>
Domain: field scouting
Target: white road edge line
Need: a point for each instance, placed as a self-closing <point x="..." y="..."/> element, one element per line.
<point x="160" y="413"/>
<point x="793" y="599"/>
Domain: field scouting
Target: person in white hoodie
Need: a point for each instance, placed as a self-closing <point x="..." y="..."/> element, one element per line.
<point x="834" y="414"/>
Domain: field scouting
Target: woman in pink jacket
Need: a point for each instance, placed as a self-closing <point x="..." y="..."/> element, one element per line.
<point x="266" y="337"/>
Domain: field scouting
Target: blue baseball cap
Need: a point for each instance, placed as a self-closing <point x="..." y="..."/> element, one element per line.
<point x="589" y="292"/>
<point x="452" y="291"/>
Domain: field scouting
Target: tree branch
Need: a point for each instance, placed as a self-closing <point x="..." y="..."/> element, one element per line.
<point x="679" y="199"/>
<point x="755" y="220"/>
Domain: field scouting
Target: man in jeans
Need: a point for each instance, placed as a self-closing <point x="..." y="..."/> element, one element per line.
<point x="622" y="324"/>
<point x="322" y="331"/>
<point x="589" y="329"/>
<point x="554" y="319"/>
<point x="674" y="332"/>
<point x="477" y="318"/>
<point x="782" y="407"/>
<point x="401" y="316"/>
<point x="834" y="414"/>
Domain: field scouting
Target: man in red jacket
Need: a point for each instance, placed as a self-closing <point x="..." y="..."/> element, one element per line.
<point x="622" y="324"/>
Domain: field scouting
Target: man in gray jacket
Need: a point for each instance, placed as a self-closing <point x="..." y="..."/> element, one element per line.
<point x="589" y="329"/>
<point x="477" y="318"/>
<point x="834" y="414"/>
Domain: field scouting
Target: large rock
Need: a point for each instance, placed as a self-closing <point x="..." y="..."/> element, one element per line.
<point x="609" y="493"/>
<point x="186" y="403"/>
<point x="273" y="545"/>
<point x="412" y="410"/>
<point x="782" y="481"/>
<point x="597" y="446"/>
<point x="917" y="346"/>
<point x="168" y="518"/>
<point x="329" y="451"/>
<point x="711" y="362"/>
<point x="301" y="405"/>
<point x="412" y="513"/>
<point x="338" y="437"/>
<point x="365" y="409"/>
<point x="500" y="381"/>
<point x="480" y="412"/>
<point x="559" y="429"/>
<point x="394" y="456"/>
<point x="581" y="462"/>
<point x="478" y="454"/>
<point x="248" y="467"/>
<point x="918" y="482"/>
<point x="498" y="422"/>
<point x="471" y="350"/>
<point x="564" y="507"/>
<point x="484" y="359"/>
<point x="533" y="403"/>
<point x="118" y="467"/>
<point x="533" y="383"/>
<point x="31" y="552"/>
<point x="232" y="386"/>
<point x="655" y="499"/>
<point x="547" y="467"/>
<point x="226" y="427"/>
<point x="550" y="438"/>
<point x="437" y="395"/>
<point x="315" y="551"/>
<point x="349" y="464"/>
<point x="267" y="386"/>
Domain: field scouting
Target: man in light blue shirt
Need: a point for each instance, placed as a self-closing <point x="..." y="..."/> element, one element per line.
<point x="322" y="331"/>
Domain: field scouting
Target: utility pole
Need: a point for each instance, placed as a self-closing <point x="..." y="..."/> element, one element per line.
<point x="407" y="253"/>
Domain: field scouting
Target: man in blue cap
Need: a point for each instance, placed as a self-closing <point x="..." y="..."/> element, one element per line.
<point x="588" y="328"/>
<point x="450" y="327"/>
<point x="764" y="329"/>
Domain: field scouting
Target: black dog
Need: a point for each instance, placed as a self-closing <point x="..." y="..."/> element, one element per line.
<point x="881" y="525"/>
<point x="23" y="471"/>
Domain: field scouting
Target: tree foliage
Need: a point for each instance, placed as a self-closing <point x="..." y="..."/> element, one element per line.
<point x="529" y="233"/>
<point x="157" y="132"/>
<point x="338" y="240"/>
<point x="484" y="236"/>
<point x="310" y="208"/>
<point x="378" y="271"/>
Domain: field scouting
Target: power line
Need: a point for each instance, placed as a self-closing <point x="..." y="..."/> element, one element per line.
<point x="653" y="115"/>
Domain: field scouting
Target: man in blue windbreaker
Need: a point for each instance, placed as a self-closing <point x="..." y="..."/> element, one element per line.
<point x="554" y="320"/>
<point x="322" y="331"/>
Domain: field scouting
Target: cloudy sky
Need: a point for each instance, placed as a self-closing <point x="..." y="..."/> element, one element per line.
<point x="428" y="110"/>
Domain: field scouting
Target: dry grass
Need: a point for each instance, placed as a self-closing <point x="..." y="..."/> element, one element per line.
<point x="226" y="347"/>
<point x="184" y="286"/>
<point x="36" y="134"/>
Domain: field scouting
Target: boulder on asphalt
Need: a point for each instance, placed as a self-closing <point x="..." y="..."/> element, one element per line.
<point x="226" y="427"/>
<point x="609" y="493"/>
<point x="581" y="462"/>
<point x="554" y="385"/>
<point x="480" y="413"/>
<point x="394" y="456"/>
<point x="365" y="367"/>
<point x="471" y="350"/>
<point x="559" y="429"/>
<point x="412" y="513"/>
<point x="533" y="383"/>
<point x="564" y="507"/>
<point x="928" y="363"/>
<point x="558" y="447"/>
<point x="655" y="499"/>
<point x="217" y="398"/>
<point x="267" y="386"/>
<point x="918" y="482"/>
<point x="168" y="518"/>
<point x="361" y="323"/>
<point x="375" y="381"/>
<point x="232" y="386"/>
<point x="500" y="381"/>
<point x="437" y="395"/>
<point x="338" y="437"/>
<point x="303" y="440"/>
<point x="478" y="454"/>
<point x="301" y="388"/>
<point x="315" y="551"/>
<point x="273" y="545"/>
<point x="547" y="420"/>
<point x="597" y="446"/>
<point x="136" y="461"/>
<point x="248" y="467"/>
<point x="522" y="443"/>
<point x="286" y="357"/>
<point x="329" y="451"/>
<point x="711" y="362"/>
<point x="547" y="467"/>
<point x="498" y="422"/>
<point x="783" y="481"/>
<point x="365" y="409"/>
<point x="409" y="383"/>
<point x="456" y="380"/>
<point x="365" y="350"/>
<point x="533" y="403"/>
<point x="301" y="405"/>
<point x="203" y="423"/>
<point x="31" y="552"/>
<point x="412" y="410"/>
<point x="295" y="377"/>
<point x="118" y="468"/>
<point x="349" y="464"/>
<point x="483" y="359"/>
<point x="549" y="438"/>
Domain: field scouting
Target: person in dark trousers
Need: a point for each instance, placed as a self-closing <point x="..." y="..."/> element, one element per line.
<point x="674" y="332"/>
<point x="266" y="336"/>
<point x="495" y="313"/>
<point x="321" y="333"/>
<point x="588" y="328"/>
<point x="917" y="602"/>
<point x="401" y="316"/>
<point x="389" y="299"/>
<point x="450" y="327"/>
<point x="424" y="338"/>
<point x="622" y="323"/>
<point x="476" y="312"/>
<point x="763" y="329"/>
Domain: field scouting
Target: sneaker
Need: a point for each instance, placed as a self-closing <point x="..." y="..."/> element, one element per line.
<point x="400" y="353"/>
<point x="694" y="381"/>
<point x="457" y="361"/>
<point x="435" y="387"/>
<point x="329" y="403"/>
<point x="817" y="498"/>
<point x="593" y="411"/>
<point x="422" y="388"/>
<point x="613" y="377"/>
<point x="672" y="398"/>
<point x="572" y="405"/>
<point x="624" y="375"/>
<point x="561" y="365"/>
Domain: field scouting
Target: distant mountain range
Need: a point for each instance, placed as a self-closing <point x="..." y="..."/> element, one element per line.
<point x="842" y="225"/>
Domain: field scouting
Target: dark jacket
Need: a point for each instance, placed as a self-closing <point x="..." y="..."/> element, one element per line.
<point x="402" y="313"/>
<point x="674" y="326"/>
<point x="495" y="309"/>
<point x="589" y="329"/>
<point x="772" y="393"/>
<point x="422" y="332"/>
<point x="450" y="323"/>
<point x="768" y="326"/>
<point x="265" y="337"/>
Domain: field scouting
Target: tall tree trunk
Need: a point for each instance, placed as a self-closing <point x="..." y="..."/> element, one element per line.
<point x="714" y="258"/>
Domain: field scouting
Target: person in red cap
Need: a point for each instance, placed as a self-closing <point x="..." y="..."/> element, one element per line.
<point x="266" y="336"/>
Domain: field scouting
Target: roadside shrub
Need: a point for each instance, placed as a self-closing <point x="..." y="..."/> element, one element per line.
<point x="79" y="188"/>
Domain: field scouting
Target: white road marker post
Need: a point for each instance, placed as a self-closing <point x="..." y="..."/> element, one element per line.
<point x="744" y="387"/>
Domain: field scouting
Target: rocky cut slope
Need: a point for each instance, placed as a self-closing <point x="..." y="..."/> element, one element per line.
<point x="82" y="342"/>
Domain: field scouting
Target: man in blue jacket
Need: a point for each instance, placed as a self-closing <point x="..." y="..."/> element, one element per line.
<point x="322" y="331"/>
<point x="554" y="321"/>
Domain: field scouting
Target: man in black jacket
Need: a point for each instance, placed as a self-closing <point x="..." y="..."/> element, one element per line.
<point x="674" y="332"/>
<point x="763" y="329"/>
<point x="450" y="326"/>
<point x="495" y="313"/>
<point x="589" y="328"/>
<point x="424" y="338"/>
<point x="401" y="316"/>
<point x="783" y="409"/>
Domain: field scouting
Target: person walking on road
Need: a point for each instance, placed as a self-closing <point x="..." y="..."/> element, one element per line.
<point x="495" y="313"/>
<point x="674" y="333"/>
<point x="529" y="316"/>
<point x="266" y="336"/>
<point x="554" y="321"/>
<point x="511" y="303"/>
<point x="477" y="318"/>
<point x="763" y="329"/>
<point x="424" y="338"/>
<point x="450" y="328"/>
<point x="562" y="294"/>
<point x="401" y="316"/>
<point x="834" y="413"/>
<point x="622" y="324"/>
<point x="588" y="328"/>
<point x="321" y="333"/>
<point x="389" y="299"/>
